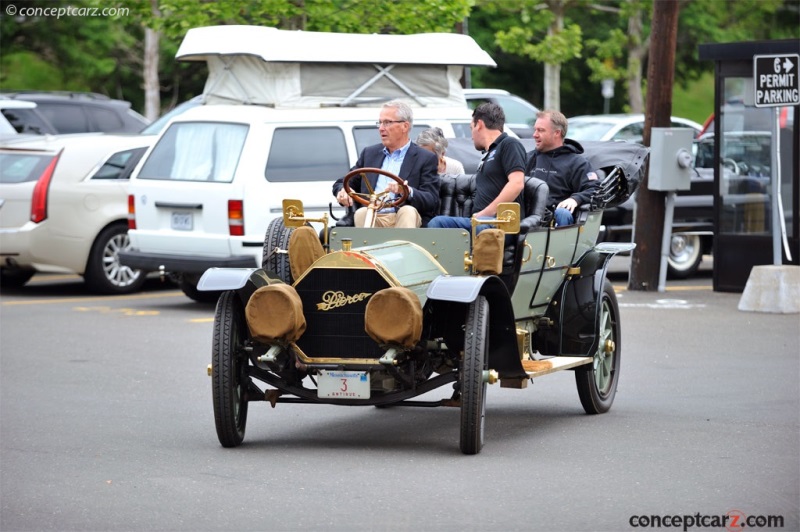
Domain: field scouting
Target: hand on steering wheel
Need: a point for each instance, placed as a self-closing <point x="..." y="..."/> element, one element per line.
<point x="380" y="197"/>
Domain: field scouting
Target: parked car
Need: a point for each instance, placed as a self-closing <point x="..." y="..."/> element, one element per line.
<point x="206" y="191"/>
<point x="83" y="112"/>
<point x="520" y="113"/>
<point x="629" y="127"/>
<point x="63" y="207"/>
<point x="693" y="217"/>
<point x="19" y="117"/>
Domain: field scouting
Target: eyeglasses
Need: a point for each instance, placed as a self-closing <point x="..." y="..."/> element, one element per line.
<point x="387" y="123"/>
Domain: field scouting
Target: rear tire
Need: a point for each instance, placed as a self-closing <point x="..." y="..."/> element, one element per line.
<point x="473" y="385"/>
<point x="597" y="382"/>
<point x="229" y="370"/>
<point x="104" y="274"/>
<point x="277" y="236"/>
<point x="685" y="255"/>
<point x="15" y="278"/>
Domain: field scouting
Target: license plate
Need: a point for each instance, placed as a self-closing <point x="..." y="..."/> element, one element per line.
<point x="182" y="221"/>
<point x="343" y="384"/>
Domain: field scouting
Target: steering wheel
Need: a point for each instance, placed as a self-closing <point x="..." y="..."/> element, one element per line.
<point x="367" y="199"/>
<point x="731" y="165"/>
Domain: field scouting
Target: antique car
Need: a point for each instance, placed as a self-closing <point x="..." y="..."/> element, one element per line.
<point x="378" y="316"/>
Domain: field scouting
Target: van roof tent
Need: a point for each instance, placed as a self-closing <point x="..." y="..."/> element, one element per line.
<point x="266" y="66"/>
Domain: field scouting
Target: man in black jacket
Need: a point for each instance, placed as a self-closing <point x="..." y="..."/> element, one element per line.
<point x="560" y="163"/>
<point x="398" y="155"/>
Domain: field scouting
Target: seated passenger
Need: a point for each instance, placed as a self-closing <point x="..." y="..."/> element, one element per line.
<point x="499" y="178"/>
<point x="559" y="162"/>
<point x="432" y="139"/>
<point x="398" y="155"/>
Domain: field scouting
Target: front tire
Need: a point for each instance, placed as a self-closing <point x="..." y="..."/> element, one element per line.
<point x="229" y="370"/>
<point x="473" y="385"/>
<point x="597" y="382"/>
<point x="104" y="273"/>
<point x="188" y="285"/>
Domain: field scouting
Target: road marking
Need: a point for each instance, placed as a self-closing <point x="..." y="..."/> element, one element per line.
<point x="681" y="304"/>
<point x="624" y="288"/>
<point x="93" y="298"/>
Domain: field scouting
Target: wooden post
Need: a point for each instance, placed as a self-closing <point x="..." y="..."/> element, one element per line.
<point x="649" y="224"/>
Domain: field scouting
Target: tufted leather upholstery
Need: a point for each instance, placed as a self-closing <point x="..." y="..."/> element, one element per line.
<point x="457" y="193"/>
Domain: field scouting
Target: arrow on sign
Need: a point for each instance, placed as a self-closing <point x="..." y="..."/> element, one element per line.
<point x="787" y="65"/>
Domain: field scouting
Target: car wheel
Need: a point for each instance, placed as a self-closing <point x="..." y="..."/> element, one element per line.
<point x="229" y="370"/>
<point x="188" y="285"/>
<point x="685" y="255"/>
<point x="104" y="273"/>
<point x="473" y="385"/>
<point x="277" y="262"/>
<point x="597" y="382"/>
<point x="15" y="278"/>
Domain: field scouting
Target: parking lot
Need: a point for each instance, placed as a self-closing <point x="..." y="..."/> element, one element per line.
<point x="106" y="423"/>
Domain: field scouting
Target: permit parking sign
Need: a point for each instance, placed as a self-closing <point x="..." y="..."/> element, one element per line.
<point x="775" y="79"/>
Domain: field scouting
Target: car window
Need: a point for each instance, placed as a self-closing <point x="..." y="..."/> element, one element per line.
<point x="475" y="102"/>
<point x="27" y="121"/>
<point x="461" y="130"/>
<point x="587" y="130"/>
<point x="307" y="154"/>
<point x="65" y="118"/>
<point x="516" y="112"/>
<point x="196" y="151"/>
<point x="631" y="133"/>
<point x="22" y="167"/>
<point x="104" y="120"/>
<point x="368" y="135"/>
<point x="119" y="165"/>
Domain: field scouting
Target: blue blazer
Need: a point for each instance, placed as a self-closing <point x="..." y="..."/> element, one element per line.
<point x="419" y="168"/>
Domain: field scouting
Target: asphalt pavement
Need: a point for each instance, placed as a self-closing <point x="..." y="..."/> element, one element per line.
<point x="106" y="424"/>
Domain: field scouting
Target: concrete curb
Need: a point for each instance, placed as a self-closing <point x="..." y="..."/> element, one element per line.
<point x="772" y="288"/>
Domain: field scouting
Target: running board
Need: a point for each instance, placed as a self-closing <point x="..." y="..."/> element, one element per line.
<point x="538" y="368"/>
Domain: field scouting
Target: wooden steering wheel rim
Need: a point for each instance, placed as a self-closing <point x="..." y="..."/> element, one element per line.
<point x="363" y="201"/>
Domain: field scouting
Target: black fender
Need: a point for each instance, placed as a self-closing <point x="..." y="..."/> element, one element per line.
<point x="447" y="300"/>
<point x="572" y="317"/>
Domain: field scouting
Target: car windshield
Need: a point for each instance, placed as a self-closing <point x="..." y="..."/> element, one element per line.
<point x="22" y="167"/>
<point x="580" y="130"/>
<point x="159" y="124"/>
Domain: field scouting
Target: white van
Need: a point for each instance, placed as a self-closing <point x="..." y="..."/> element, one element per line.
<point x="277" y="124"/>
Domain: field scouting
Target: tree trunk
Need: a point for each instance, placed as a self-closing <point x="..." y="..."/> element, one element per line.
<point x="649" y="223"/>
<point x="636" y="53"/>
<point x="552" y="71"/>
<point x="152" y="93"/>
<point x="552" y="84"/>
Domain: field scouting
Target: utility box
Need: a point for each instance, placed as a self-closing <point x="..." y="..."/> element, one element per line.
<point x="670" y="158"/>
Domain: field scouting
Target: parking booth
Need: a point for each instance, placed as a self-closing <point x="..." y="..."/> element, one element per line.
<point x="757" y="140"/>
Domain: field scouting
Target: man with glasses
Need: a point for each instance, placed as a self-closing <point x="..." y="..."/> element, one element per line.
<point x="398" y="155"/>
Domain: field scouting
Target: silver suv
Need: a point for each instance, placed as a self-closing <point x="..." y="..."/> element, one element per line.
<point x="84" y="112"/>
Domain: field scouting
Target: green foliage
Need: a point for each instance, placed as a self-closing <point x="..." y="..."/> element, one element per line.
<point x="104" y="53"/>
<point x="22" y="70"/>
<point x="696" y="100"/>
